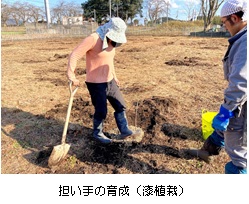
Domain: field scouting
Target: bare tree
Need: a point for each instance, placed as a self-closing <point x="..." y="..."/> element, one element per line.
<point x="36" y="14"/>
<point x="65" y="9"/>
<point x="5" y="13"/>
<point x="14" y="14"/>
<point x="191" y="7"/>
<point x="22" y="11"/>
<point x="73" y="9"/>
<point x="209" y="8"/>
<point x="19" y="12"/>
<point x="59" y="11"/>
<point x="156" y="8"/>
<point x="167" y="8"/>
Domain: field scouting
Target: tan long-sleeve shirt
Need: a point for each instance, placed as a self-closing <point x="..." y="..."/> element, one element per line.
<point x="99" y="63"/>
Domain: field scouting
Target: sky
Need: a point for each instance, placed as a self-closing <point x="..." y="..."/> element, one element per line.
<point x="177" y="11"/>
<point x="41" y="2"/>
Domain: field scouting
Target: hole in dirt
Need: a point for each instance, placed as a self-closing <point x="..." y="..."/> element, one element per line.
<point x="168" y="43"/>
<point x="58" y="56"/>
<point x="173" y="131"/>
<point x="134" y="49"/>
<point x="192" y="61"/>
<point x="151" y="113"/>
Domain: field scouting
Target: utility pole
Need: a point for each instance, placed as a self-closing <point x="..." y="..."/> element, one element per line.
<point x="117" y="10"/>
<point x="110" y="8"/>
<point x="94" y="13"/>
<point x="47" y="12"/>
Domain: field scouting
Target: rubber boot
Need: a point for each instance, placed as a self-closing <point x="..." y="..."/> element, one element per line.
<point x="98" y="132"/>
<point x="210" y="147"/>
<point x="122" y="124"/>
<point x="213" y="144"/>
<point x="230" y="168"/>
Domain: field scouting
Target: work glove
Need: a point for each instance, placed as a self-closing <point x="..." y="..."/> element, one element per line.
<point x="221" y="120"/>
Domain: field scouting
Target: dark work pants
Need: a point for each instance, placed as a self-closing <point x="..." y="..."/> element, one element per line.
<point x="100" y="93"/>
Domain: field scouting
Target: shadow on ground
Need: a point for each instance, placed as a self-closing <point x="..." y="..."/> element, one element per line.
<point x="40" y="133"/>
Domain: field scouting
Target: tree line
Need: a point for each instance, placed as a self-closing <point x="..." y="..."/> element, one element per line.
<point x="101" y="10"/>
<point x="26" y="12"/>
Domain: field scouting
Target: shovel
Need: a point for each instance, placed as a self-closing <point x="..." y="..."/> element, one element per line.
<point x="60" y="151"/>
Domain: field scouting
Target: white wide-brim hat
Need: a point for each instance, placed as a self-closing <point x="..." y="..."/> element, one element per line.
<point x="114" y="30"/>
<point x="233" y="6"/>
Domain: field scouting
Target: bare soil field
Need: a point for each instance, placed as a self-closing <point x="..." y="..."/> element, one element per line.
<point x="166" y="82"/>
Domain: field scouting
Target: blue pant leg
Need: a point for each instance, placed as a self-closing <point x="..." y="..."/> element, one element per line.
<point x="230" y="168"/>
<point x="217" y="138"/>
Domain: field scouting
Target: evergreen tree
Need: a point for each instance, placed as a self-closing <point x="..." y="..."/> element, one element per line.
<point x="100" y="9"/>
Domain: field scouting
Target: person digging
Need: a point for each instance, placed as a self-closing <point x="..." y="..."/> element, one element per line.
<point x="101" y="80"/>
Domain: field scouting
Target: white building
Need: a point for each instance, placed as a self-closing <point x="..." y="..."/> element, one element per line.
<point x="77" y="20"/>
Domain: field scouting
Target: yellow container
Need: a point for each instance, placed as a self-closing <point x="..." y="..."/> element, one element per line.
<point x="207" y="119"/>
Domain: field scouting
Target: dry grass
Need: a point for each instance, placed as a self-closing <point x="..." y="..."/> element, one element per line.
<point x="186" y="71"/>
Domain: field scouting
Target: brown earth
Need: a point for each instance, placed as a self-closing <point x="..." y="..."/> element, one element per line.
<point x="166" y="82"/>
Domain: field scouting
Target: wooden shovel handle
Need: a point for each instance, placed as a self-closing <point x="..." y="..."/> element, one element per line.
<point x="72" y="93"/>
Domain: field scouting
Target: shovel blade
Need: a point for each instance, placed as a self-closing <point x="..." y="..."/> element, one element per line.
<point x="58" y="154"/>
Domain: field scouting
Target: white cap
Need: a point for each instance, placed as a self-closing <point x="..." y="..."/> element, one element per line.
<point x="233" y="6"/>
